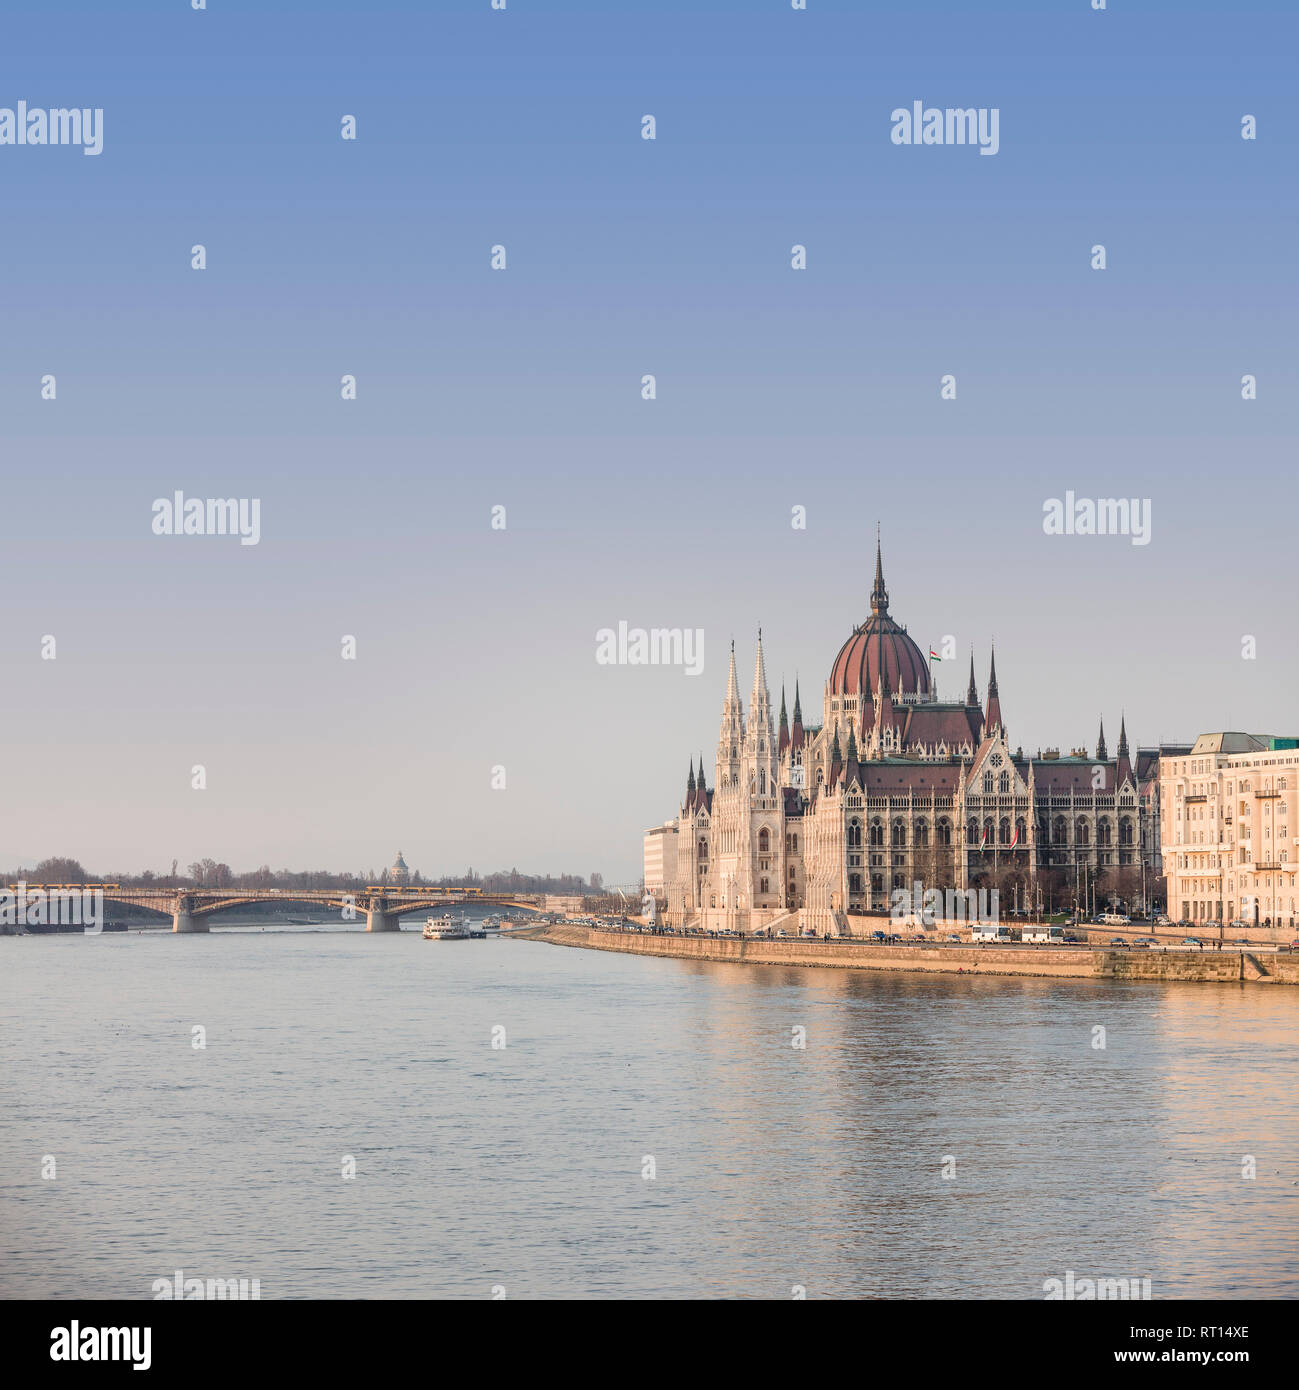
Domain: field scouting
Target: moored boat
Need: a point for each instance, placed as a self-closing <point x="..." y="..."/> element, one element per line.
<point x="445" y="928"/>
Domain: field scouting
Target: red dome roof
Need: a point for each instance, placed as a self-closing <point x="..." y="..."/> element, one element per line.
<point x="879" y="644"/>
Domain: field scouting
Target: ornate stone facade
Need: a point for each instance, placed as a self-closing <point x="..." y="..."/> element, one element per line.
<point x="808" y="827"/>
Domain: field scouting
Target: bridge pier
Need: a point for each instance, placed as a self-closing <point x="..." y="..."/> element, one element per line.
<point x="376" y="919"/>
<point x="183" y="920"/>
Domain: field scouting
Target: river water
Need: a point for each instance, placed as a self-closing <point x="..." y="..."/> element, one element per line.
<point x="648" y="1128"/>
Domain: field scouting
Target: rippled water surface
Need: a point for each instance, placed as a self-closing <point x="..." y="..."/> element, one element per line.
<point x="524" y="1166"/>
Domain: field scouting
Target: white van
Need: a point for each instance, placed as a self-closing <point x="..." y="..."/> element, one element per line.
<point x="1114" y="919"/>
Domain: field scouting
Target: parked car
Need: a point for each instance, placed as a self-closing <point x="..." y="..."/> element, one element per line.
<point x="780" y="931"/>
<point x="1144" y="943"/>
<point x="878" y="936"/>
<point x="1072" y="936"/>
<point x="952" y="936"/>
<point x="1117" y="941"/>
<point x="1162" y="921"/>
<point x="1193" y="941"/>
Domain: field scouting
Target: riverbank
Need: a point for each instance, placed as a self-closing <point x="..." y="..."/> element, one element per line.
<point x="1062" y="962"/>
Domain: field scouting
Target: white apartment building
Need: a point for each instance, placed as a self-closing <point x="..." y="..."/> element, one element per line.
<point x="1230" y="828"/>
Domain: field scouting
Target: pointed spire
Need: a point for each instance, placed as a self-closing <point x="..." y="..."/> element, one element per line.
<point x="992" y="720"/>
<point x="1123" y="736"/>
<point x="760" y="696"/>
<point x="852" y="745"/>
<point x="1101" y="754"/>
<point x="732" y="685"/>
<point x="835" y="754"/>
<point x="972" y="694"/>
<point x="784" y="723"/>
<point x="796" y="738"/>
<point x="879" y="594"/>
<point x="703" y="786"/>
<point x="690" y="782"/>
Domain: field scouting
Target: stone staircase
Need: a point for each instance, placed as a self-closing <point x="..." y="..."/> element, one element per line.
<point x="1251" y="968"/>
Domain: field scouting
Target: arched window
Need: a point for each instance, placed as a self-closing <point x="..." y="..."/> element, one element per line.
<point x="877" y="833"/>
<point x="703" y="849"/>
<point x="764" y="841"/>
<point x="1021" y="832"/>
<point x="854" y="883"/>
<point x="987" y="784"/>
<point x="1125" y="831"/>
<point x="1104" y="833"/>
<point x="1082" y="833"/>
<point x="1003" y="831"/>
<point x="972" y="833"/>
<point x="854" y="834"/>
<point x="1003" y="783"/>
<point x="877" y="883"/>
<point x="944" y="831"/>
<point x="899" y="835"/>
<point x="1061" y="832"/>
<point x="922" y="834"/>
<point x="990" y="831"/>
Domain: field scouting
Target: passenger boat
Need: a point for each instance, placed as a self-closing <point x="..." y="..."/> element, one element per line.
<point x="445" y="928"/>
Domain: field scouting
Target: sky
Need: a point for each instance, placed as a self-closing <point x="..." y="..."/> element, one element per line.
<point x="477" y="388"/>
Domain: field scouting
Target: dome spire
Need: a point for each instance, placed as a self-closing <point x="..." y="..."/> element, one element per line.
<point x="879" y="594"/>
<point x="972" y="694"/>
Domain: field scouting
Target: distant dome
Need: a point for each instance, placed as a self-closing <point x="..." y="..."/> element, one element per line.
<point x="879" y="644"/>
<point x="399" y="871"/>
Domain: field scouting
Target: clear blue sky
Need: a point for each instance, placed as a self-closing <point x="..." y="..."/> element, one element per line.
<point x="776" y="388"/>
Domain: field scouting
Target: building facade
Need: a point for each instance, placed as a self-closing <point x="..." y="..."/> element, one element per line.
<point x="813" y="825"/>
<point x="1228" y="816"/>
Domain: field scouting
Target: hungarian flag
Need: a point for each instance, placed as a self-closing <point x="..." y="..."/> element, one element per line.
<point x="933" y="655"/>
<point x="983" y="843"/>
<point x="1014" y="839"/>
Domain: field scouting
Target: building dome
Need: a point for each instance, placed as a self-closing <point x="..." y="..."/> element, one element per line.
<point x="879" y="645"/>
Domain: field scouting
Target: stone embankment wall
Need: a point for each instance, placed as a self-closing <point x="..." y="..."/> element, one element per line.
<point x="1065" y="962"/>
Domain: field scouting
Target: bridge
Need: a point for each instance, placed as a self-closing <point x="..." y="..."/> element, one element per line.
<point x="191" y="908"/>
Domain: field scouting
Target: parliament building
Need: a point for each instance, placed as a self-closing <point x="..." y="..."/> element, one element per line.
<point x="815" y="826"/>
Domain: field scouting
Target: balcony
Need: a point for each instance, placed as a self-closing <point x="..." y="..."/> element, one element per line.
<point x="1197" y="798"/>
<point x="1258" y="796"/>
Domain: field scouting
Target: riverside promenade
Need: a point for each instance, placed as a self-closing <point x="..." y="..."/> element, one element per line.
<point x="1060" y="962"/>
